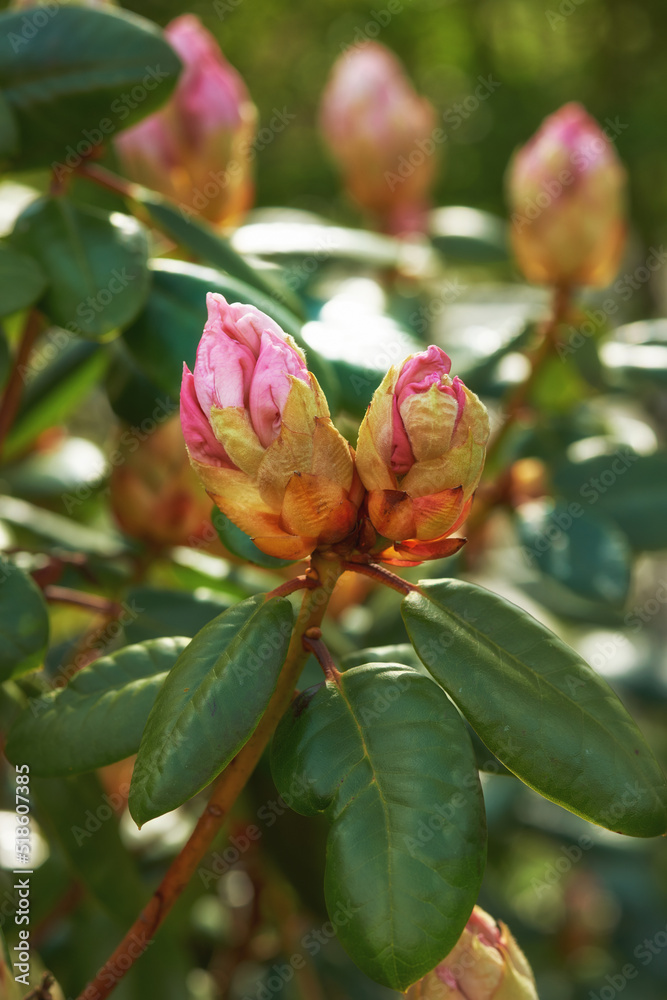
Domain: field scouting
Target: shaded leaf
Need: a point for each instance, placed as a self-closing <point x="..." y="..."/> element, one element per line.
<point x="24" y="622"/>
<point x="66" y="83"/>
<point x="96" y="263"/>
<point x="630" y="489"/>
<point x="22" y="280"/>
<point x="98" y="718"/>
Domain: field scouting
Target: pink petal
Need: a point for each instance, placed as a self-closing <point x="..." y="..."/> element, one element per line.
<point x="202" y="444"/>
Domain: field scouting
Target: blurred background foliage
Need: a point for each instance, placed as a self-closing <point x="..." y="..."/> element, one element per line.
<point x="608" y="54"/>
<point x="581" y="901"/>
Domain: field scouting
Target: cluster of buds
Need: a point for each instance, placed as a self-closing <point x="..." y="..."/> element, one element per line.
<point x="485" y="964"/>
<point x="259" y="435"/>
<point x="566" y="190"/>
<point x="196" y="149"/>
<point x="380" y="132"/>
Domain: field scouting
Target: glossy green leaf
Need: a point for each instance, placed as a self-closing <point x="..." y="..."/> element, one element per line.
<point x="156" y="612"/>
<point x="403" y="652"/>
<point x="62" y="370"/>
<point x="84" y="819"/>
<point x="206" y="243"/>
<point x="22" y="280"/>
<point x="578" y="548"/>
<point x="386" y="757"/>
<point x="98" y="718"/>
<point x="24" y="622"/>
<point x="630" y="489"/>
<point x="241" y="545"/>
<point x="132" y="396"/>
<point x="468" y="234"/>
<point x="538" y="706"/>
<point x="210" y="704"/>
<point x="96" y="263"/>
<point x="167" y="332"/>
<point x="75" y="81"/>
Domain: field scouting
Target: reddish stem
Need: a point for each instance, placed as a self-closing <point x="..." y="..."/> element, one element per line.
<point x="381" y="575"/>
<point x="78" y="598"/>
<point x="303" y="582"/>
<point x="313" y="642"/>
<point x="14" y="388"/>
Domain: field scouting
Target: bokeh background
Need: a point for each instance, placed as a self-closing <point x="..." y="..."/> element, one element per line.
<point x="582" y="902"/>
<point x="608" y="54"/>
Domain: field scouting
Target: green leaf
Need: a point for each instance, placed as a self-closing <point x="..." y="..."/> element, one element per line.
<point x="630" y="489"/>
<point x="98" y="718"/>
<point x="9" y="988"/>
<point x="22" y="280"/>
<point x="204" y="241"/>
<point x="83" y="818"/>
<point x="241" y="545"/>
<point x="53" y="530"/>
<point x="96" y="263"/>
<point x="156" y="612"/>
<point x="581" y="550"/>
<point x="386" y="757"/>
<point x="468" y="234"/>
<point x="167" y="332"/>
<point x="538" y="706"/>
<point x="132" y="396"/>
<point x="54" y="388"/>
<point x="75" y="81"/>
<point x="24" y="622"/>
<point x="210" y="705"/>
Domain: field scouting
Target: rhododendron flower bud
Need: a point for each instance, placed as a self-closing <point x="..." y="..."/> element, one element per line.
<point x="566" y="191"/>
<point x="380" y="132"/>
<point x="258" y="431"/>
<point x="154" y="493"/>
<point x="485" y="964"/>
<point x="421" y="449"/>
<point x="196" y="148"/>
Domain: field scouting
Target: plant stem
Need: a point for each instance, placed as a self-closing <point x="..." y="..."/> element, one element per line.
<point x="520" y="394"/>
<point x="381" y="575"/>
<point x="517" y="399"/>
<point x="225" y="791"/>
<point x="314" y="643"/>
<point x="12" y="394"/>
<point x="302" y="582"/>
<point x="80" y="599"/>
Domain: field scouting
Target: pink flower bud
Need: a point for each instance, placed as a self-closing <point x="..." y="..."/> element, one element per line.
<point x="421" y="449"/>
<point x="566" y="190"/>
<point x="195" y="149"/>
<point x="259" y="434"/>
<point x="379" y="130"/>
<point x="485" y="964"/>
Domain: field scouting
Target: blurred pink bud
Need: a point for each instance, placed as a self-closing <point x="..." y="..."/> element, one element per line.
<point x="485" y="964"/>
<point x="196" y="148"/>
<point x="421" y="449"/>
<point x="566" y="190"/>
<point x="260" y="437"/>
<point x="154" y="493"/>
<point x="380" y="132"/>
